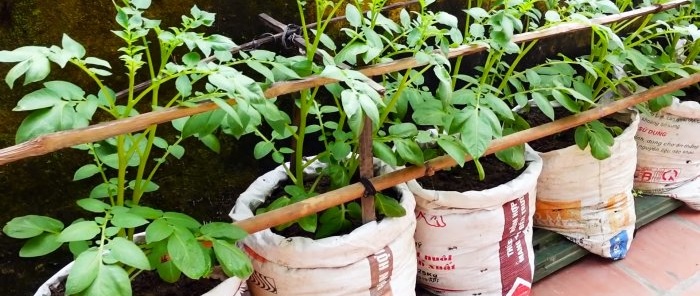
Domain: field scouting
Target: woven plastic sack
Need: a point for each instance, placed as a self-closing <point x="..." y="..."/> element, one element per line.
<point x="377" y="258"/>
<point x="590" y="201"/>
<point x="668" y="153"/>
<point x="478" y="242"/>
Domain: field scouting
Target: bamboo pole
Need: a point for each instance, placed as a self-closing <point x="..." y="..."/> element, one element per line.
<point x="329" y="199"/>
<point x="52" y="142"/>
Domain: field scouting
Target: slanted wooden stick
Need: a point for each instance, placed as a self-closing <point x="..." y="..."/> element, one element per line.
<point x="353" y="191"/>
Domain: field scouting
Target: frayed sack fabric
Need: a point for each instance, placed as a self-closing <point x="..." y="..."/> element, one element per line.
<point x="590" y="201"/>
<point x="478" y="242"/>
<point x="668" y="153"/>
<point x="378" y="258"/>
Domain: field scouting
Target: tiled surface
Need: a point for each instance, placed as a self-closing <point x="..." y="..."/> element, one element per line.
<point x="664" y="260"/>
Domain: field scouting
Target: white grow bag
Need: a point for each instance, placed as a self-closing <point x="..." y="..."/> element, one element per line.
<point x="590" y="201"/>
<point x="668" y="152"/>
<point x="377" y="258"/>
<point x="478" y="242"/>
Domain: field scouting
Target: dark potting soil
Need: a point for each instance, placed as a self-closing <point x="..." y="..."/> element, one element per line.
<point x="324" y="185"/>
<point x="564" y="139"/>
<point x="148" y="283"/>
<point x="466" y="178"/>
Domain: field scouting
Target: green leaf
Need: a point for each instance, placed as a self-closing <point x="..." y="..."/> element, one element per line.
<point x="454" y="149"/>
<point x="129" y="253"/>
<point x="40" y="245"/>
<point x="351" y="104"/>
<point x="177" y="151"/>
<point x="186" y="253"/>
<point x="39" y="99"/>
<point x="262" y="149"/>
<point x="309" y="223"/>
<point x="234" y="261"/>
<point x="16" y="72"/>
<point x="142" y="4"/>
<point x="581" y="137"/>
<point x="513" y="156"/>
<point x="183" y="86"/>
<point x="498" y="106"/>
<point x="369" y="107"/>
<point x="388" y="206"/>
<point x="552" y="16"/>
<point x="476" y="132"/>
<point x="97" y="62"/>
<point x="85" y="172"/>
<point x="75" y="49"/>
<point x="409" y="151"/>
<point x="145" y="186"/>
<point x="478" y="13"/>
<point x="84" y="230"/>
<point x="158" y="230"/>
<point x="146" y="212"/>
<point x="180" y="219"/>
<point x="93" y="205"/>
<point x="477" y="30"/>
<point x="565" y="101"/>
<point x="354" y="210"/>
<point x="533" y="78"/>
<point x="332" y="221"/>
<point x="600" y="129"/>
<point x="78" y="247"/>
<point x="103" y="190"/>
<point x="384" y="152"/>
<point x="212" y="142"/>
<point x="128" y="220"/>
<point x="543" y="104"/>
<point x="599" y="149"/>
<point x="191" y="59"/>
<point x="169" y="272"/>
<point x="353" y="15"/>
<point x="340" y="150"/>
<point x="403" y="130"/>
<point x="84" y="271"/>
<point x="223" y="230"/>
<point x="111" y="280"/>
<point x="31" y="226"/>
<point x="59" y="117"/>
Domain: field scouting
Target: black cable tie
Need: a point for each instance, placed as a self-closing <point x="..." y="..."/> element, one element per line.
<point x="290" y="32"/>
<point x="369" y="187"/>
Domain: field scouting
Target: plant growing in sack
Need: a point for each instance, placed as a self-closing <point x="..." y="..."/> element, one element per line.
<point x="466" y="112"/>
<point x="602" y="151"/>
<point x="107" y="252"/>
<point x="666" y="47"/>
<point x="334" y="118"/>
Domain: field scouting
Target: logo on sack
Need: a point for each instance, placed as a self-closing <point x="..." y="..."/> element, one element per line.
<point x="381" y="265"/>
<point x="618" y="245"/>
<point x="657" y="175"/>
<point x="432" y="220"/>
<point x="264" y="282"/>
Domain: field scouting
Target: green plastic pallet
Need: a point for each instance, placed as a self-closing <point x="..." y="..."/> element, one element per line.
<point x="553" y="251"/>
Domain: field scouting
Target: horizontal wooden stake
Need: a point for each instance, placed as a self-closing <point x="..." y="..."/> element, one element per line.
<point x="354" y="191"/>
